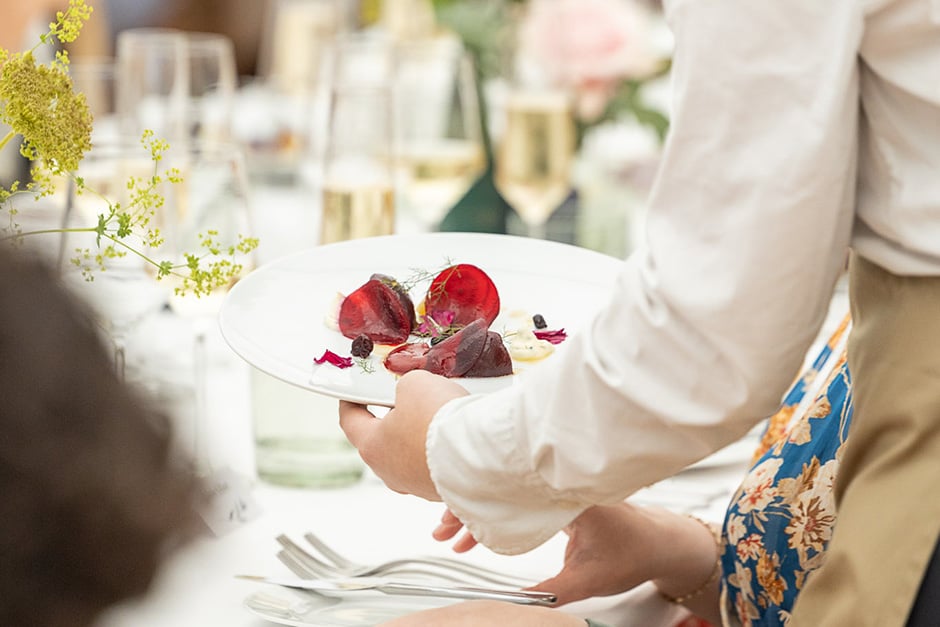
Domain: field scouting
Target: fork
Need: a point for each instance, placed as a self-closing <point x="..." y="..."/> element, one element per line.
<point x="443" y="568"/>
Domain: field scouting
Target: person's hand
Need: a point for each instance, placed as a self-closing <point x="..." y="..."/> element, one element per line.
<point x="394" y="446"/>
<point x="448" y="528"/>
<point x="611" y="549"/>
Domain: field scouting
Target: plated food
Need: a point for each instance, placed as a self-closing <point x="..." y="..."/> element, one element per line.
<point x="449" y="331"/>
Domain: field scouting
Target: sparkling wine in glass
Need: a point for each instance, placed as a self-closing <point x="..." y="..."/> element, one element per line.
<point x="439" y="144"/>
<point x="535" y="154"/>
<point x="358" y="186"/>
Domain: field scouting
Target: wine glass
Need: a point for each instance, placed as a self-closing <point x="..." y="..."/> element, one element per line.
<point x="212" y="79"/>
<point x="179" y="85"/>
<point x="152" y="81"/>
<point x="122" y="292"/>
<point x="213" y="199"/>
<point x="534" y="153"/>
<point x="439" y="143"/>
<point x="358" y="183"/>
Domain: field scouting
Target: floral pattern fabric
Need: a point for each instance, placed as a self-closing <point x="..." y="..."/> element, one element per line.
<point x="781" y="518"/>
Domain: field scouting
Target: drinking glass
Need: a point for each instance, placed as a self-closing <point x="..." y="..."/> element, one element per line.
<point x="123" y="293"/>
<point x="213" y="195"/>
<point x="96" y="78"/>
<point x="179" y="85"/>
<point x="297" y="35"/>
<point x="286" y="105"/>
<point x="534" y="153"/>
<point x="439" y="143"/>
<point x="358" y="185"/>
<point x="212" y="83"/>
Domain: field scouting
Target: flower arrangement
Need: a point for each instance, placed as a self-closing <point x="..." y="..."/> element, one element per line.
<point x="39" y="104"/>
<point x="600" y="51"/>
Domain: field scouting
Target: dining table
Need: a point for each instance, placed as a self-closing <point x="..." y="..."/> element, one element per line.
<point x="198" y="584"/>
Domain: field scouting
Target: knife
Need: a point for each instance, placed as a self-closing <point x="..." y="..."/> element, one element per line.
<point x="334" y="586"/>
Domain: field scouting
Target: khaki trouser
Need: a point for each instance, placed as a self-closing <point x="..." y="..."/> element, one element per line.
<point x="888" y="487"/>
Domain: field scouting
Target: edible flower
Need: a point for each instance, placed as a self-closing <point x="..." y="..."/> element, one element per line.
<point x="334" y="359"/>
<point x="436" y="323"/>
<point x="553" y="337"/>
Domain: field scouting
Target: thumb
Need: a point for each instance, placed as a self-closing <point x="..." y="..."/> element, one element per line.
<point x="567" y="585"/>
<point x="357" y="422"/>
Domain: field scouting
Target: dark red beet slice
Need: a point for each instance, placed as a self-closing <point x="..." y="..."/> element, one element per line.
<point x="451" y="358"/>
<point x="465" y="290"/>
<point x="494" y="361"/>
<point x="407" y="357"/>
<point x="402" y="293"/>
<point x="376" y="311"/>
<point x="456" y="355"/>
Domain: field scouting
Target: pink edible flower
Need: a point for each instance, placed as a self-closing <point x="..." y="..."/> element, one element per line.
<point x="334" y="359"/>
<point x="436" y="322"/>
<point x="554" y="337"/>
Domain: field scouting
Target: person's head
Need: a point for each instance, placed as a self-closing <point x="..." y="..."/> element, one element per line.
<point x="90" y="497"/>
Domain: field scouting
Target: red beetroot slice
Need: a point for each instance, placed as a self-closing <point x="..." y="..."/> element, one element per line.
<point x="402" y="294"/>
<point x="376" y="311"/>
<point x="407" y="357"/>
<point x="465" y="290"/>
<point x="453" y="357"/>
<point x="494" y="361"/>
<point x="456" y="355"/>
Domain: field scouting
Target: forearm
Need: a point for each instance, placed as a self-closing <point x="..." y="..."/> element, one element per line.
<point x="691" y="566"/>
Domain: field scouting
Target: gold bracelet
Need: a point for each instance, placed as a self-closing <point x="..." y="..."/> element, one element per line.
<point x="716" y="571"/>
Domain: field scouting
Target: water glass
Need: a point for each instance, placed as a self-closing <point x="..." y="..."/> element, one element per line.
<point x="298" y="441"/>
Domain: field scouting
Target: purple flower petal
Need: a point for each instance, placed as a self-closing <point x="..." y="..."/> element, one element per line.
<point x="334" y="359"/>
<point x="555" y="337"/>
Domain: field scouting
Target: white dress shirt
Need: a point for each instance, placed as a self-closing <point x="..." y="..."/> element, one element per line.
<point x="797" y="128"/>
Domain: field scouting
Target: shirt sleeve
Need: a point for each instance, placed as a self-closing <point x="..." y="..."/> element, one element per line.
<point x="747" y="231"/>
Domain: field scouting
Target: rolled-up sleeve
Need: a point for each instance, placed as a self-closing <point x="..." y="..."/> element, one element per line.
<point x="747" y="230"/>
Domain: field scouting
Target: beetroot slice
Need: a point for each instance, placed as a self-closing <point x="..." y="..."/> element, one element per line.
<point x="456" y="355"/>
<point x="402" y="294"/>
<point x="465" y="290"/>
<point x="376" y="311"/>
<point x="407" y="357"/>
<point x="495" y="360"/>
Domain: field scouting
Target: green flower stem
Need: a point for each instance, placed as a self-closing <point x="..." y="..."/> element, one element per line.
<point x="6" y="139"/>
<point x="107" y="236"/>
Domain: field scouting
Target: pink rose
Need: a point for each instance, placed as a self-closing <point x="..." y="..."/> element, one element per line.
<point x="588" y="46"/>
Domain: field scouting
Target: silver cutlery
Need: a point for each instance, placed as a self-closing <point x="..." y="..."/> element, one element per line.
<point x="333" y="586"/>
<point x="437" y="567"/>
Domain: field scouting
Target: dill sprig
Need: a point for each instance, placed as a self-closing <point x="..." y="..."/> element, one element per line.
<point x="39" y="104"/>
<point x="418" y="276"/>
<point x="366" y="365"/>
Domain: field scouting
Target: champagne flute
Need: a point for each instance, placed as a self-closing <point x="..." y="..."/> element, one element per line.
<point x="439" y="141"/>
<point x="358" y="187"/>
<point x="179" y="85"/>
<point x="534" y="155"/>
<point x="152" y="81"/>
<point x="212" y="82"/>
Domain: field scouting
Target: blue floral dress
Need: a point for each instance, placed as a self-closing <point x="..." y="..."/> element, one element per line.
<point x="781" y="518"/>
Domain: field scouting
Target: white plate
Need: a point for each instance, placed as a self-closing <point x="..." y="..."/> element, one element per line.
<point x="274" y="317"/>
<point x="313" y="610"/>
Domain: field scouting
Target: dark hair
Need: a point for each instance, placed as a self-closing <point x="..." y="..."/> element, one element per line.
<point x="90" y="496"/>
